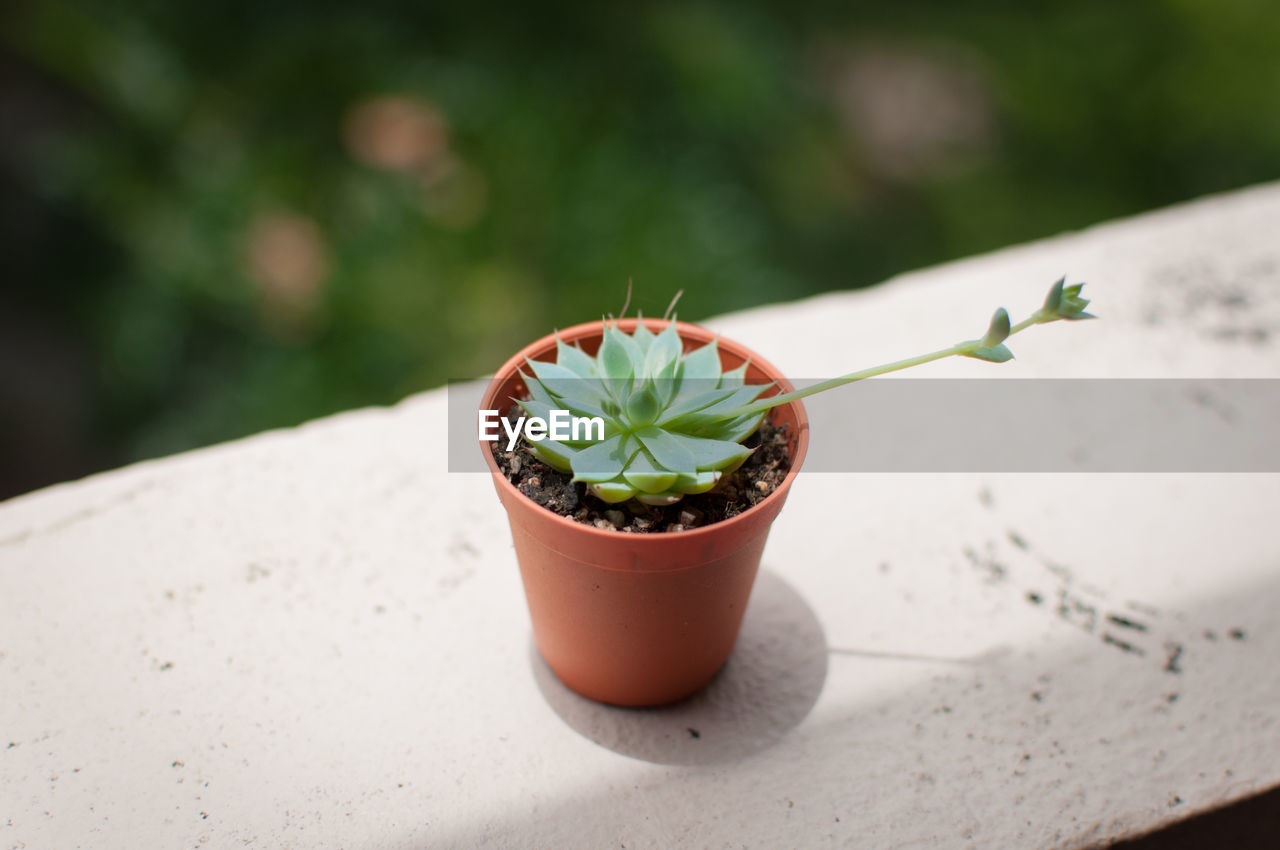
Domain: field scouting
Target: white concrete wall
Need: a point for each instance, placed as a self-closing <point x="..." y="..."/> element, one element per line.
<point x="316" y="637"/>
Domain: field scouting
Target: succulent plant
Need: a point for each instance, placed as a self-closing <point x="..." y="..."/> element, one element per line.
<point x="674" y="422"/>
<point x="666" y="428"/>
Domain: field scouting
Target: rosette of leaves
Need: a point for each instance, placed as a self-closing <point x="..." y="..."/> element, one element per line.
<point x="674" y="422"/>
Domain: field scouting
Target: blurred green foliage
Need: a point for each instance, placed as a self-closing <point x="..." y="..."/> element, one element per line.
<point x="267" y="212"/>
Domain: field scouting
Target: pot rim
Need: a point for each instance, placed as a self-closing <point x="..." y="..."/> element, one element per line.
<point x="687" y="332"/>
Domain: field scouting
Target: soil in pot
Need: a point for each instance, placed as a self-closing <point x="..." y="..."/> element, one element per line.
<point x="759" y="475"/>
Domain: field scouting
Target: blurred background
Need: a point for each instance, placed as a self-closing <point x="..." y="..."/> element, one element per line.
<point x="220" y="218"/>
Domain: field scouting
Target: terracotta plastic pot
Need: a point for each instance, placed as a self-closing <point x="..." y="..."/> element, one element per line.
<point x="638" y="619"/>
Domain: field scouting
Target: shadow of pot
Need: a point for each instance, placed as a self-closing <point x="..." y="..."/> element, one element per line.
<point x="639" y="619"/>
<point x="768" y="687"/>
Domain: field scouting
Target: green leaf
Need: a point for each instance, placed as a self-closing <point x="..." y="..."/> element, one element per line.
<point x="669" y="452"/>
<point x="613" y="360"/>
<point x="646" y="475"/>
<point x="998" y="330"/>
<point x="660" y="500"/>
<point x="565" y="384"/>
<point x="703" y="364"/>
<point x="713" y="454"/>
<point x="556" y="455"/>
<point x="642" y="335"/>
<point x="612" y="492"/>
<point x="993" y="353"/>
<point x="1064" y="302"/>
<point x="700" y="373"/>
<point x="666" y="383"/>
<point x="684" y="406"/>
<point x="726" y="409"/>
<point x="574" y="359"/>
<point x="614" y="363"/>
<point x="605" y="460"/>
<point x="1073" y="305"/>
<point x="700" y="482"/>
<point x="733" y="430"/>
<point x="665" y="349"/>
<point x="1054" y="298"/>
<point x="634" y="352"/>
<point x="536" y="407"/>
<point x="642" y="406"/>
<point x="735" y="377"/>
<point x="537" y="391"/>
<point x="576" y="406"/>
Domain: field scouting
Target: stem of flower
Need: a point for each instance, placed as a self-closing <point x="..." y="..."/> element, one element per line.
<point x="956" y="350"/>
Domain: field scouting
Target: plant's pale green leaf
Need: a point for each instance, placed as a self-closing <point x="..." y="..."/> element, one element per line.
<point x="646" y="475"/>
<point x="665" y="349"/>
<point x="660" y="500"/>
<point x="634" y="353"/>
<point x="613" y="361"/>
<point x="998" y="331"/>
<point x="537" y="391"/>
<point x="536" y="407"/>
<point x="667" y="382"/>
<point x="688" y="388"/>
<point x="684" y="406"/>
<point x="643" y="406"/>
<point x="1054" y="298"/>
<point x="576" y="406"/>
<point x="556" y="455"/>
<point x="698" y="483"/>
<point x="1072" y="306"/>
<point x="722" y="410"/>
<point x="669" y="452"/>
<point x="562" y="383"/>
<point x="603" y="461"/>
<point x="612" y="492"/>
<point x="612" y="421"/>
<point x="614" y="364"/>
<point x="1064" y="302"/>
<point x="994" y="353"/>
<point x="575" y="359"/>
<point x="703" y="364"/>
<point x="734" y="430"/>
<point x="735" y="377"/>
<point x="699" y="373"/>
<point x="643" y="336"/>
<point x="713" y="454"/>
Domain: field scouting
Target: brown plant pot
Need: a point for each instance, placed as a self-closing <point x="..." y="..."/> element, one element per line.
<point x="638" y="619"/>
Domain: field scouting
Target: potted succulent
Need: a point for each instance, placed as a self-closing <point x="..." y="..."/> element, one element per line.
<point x="639" y="534"/>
